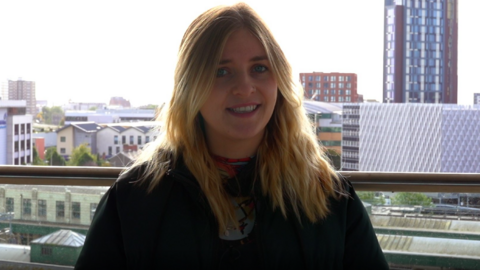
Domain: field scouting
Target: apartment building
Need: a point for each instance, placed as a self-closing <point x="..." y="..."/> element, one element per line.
<point x="332" y="87"/>
<point x="75" y="134"/>
<point x="23" y="90"/>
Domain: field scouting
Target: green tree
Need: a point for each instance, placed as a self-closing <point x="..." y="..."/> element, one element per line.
<point x="52" y="157"/>
<point x="52" y="115"/>
<point x="411" y="198"/>
<point x="82" y="156"/>
<point x="93" y="108"/>
<point x="36" y="159"/>
<point x="369" y="197"/>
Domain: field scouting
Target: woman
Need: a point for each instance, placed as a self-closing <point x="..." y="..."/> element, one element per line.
<point x="237" y="178"/>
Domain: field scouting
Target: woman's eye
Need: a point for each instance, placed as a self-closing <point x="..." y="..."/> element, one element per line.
<point x="221" y="72"/>
<point x="260" y="68"/>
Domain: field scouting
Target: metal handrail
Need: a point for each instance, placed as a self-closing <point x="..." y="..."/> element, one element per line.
<point x="371" y="181"/>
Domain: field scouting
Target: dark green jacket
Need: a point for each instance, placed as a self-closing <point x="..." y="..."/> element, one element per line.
<point x="174" y="228"/>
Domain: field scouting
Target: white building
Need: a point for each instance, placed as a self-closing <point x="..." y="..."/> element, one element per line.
<point x="411" y="138"/>
<point x="112" y="138"/>
<point x="106" y="116"/>
<point x="15" y="133"/>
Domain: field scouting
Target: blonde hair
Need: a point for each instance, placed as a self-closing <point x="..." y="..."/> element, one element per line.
<point x="291" y="166"/>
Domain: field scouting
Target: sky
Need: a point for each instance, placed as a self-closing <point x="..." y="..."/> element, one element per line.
<point x="91" y="50"/>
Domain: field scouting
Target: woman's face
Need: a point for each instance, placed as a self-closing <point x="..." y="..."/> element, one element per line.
<point x="242" y="99"/>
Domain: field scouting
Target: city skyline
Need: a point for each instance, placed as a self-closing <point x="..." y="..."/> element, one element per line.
<point x="91" y="51"/>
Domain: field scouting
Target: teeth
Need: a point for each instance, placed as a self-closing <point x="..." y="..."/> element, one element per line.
<point x="245" y="109"/>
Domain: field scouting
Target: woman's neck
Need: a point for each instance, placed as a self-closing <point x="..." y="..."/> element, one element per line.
<point x="233" y="149"/>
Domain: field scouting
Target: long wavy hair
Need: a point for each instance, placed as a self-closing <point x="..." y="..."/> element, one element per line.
<point x="292" y="168"/>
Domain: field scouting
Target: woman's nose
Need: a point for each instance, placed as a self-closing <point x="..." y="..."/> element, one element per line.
<point x="244" y="85"/>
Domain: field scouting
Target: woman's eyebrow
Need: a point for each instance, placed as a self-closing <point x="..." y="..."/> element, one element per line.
<point x="253" y="59"/>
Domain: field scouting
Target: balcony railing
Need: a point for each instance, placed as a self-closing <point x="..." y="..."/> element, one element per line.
<point x="362" y="181"/>
<point x="389" y="237"/>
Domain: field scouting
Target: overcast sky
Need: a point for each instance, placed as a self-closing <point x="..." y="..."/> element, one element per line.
<point x="89" y="51"/>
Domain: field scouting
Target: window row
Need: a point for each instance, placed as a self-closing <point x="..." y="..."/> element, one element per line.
<point x="26" y="208"/>
<point x="331" y="92"/>
<point x="331" y="85"/>
<point x="22" y="129"/>
<point x="328" y="78"/>
<point x="132" y="139"/>
<point x="334" y="99"/>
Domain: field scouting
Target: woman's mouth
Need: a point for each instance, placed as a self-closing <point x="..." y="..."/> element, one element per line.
<point x="244" y="109"/>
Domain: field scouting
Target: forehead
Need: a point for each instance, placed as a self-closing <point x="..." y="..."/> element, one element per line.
<point x="242" y="43"/>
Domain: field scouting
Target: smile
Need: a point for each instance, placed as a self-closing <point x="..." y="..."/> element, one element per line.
<point x="245" y="109"/>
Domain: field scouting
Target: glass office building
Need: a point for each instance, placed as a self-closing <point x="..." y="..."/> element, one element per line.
<point x="420" y="51"/>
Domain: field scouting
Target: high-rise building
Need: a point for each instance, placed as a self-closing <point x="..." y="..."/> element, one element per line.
<point x="476" y="98"/>
<point x="23" y="90"/>
<point x="420" y="51"/>
<point x="330" y="87"/>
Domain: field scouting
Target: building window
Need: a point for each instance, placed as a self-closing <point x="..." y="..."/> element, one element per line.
<point x="325" y="78"/>
<point x="317" y="78"/>
<point x="333" y="91"/>
<point x="325" y="92"/>
<point x="333" y="78"/>
<point x="349" y="85"/>
<point x="75" y="210"/>
<point x="27" y="207"/>
<point x="318" y="85"/>
<point x="147" y="139"/>
<point x="310" y="78"/>
<point x="340" y="92"/>
<point x="332" y="99"/>
<point x="139" y="140"/>
<point x="325" y="98"/>
<point x="340" y="78"/>
<point x="93" y="207"/>
<point x="348" y="99"/>
<point x="60" y="209"/>
<point x="341" y="85"/>
<point x="115" y="139"/>
<point x="325" y="85"/>
<point x="333" y="85"/>
<point x="340" y="99"/>
<point x="348" y="92"/>
<point x="124" y="139"/>
<point x="10" y="205"/>
<point x="62" y="139"/>
<point x="62" y="151"/>
<point x="42" y="208"/>
<point x="109" y="150"/>
<point x="46" y="251"/>
<point x="117" y="149"/>
<point x="348" y="78"/>
<point x="131" y="139"/>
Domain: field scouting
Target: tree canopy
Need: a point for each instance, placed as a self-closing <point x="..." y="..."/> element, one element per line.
<point x="369" y="197"/>
<point x="53" y="158"/>
<point x="82" y="156"/>
<point x="411" y="198"/>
